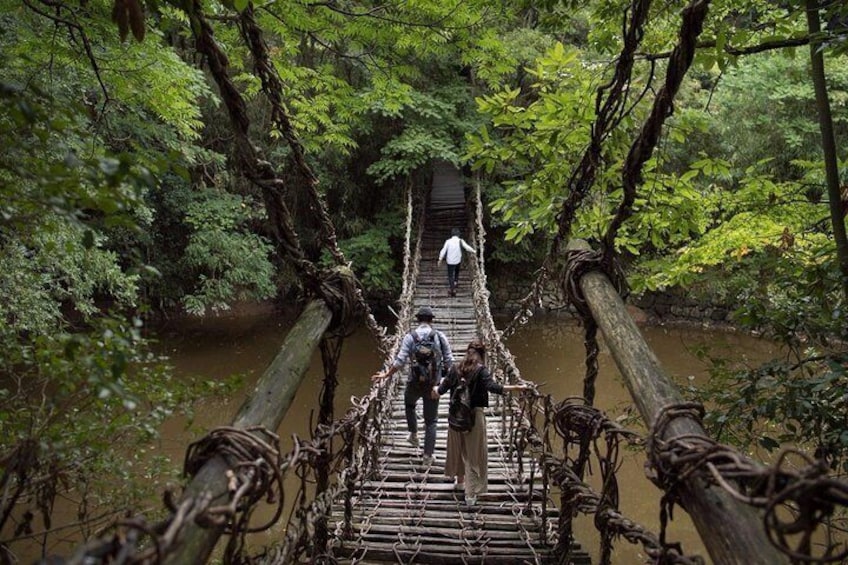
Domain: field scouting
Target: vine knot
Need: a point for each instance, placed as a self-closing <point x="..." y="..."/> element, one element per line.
<point x="338" y="289"/>
<point x="663" y="467"/>
<point x="582" y="261"/>
<point x="253" y="458"/>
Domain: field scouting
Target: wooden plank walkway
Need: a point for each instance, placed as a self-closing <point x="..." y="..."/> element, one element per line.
<point x="412" y="513"/>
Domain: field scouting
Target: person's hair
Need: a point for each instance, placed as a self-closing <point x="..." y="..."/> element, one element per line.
<point x="425" y="314"/>
<point x="468" y="364"/>
<point x="455" y="232"/>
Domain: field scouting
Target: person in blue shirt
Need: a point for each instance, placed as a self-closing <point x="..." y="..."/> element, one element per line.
<point x="414" y="389"/>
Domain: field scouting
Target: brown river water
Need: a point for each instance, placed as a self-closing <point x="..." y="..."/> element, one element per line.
<point x="547" y="350"/>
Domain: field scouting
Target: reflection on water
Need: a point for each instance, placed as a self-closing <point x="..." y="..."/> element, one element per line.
<point x="548" y="351"/>
<point x="218" y="349"/>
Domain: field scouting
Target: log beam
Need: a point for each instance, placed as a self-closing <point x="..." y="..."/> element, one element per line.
<point x="265" y="406"/>
<point x="731" y="531"/>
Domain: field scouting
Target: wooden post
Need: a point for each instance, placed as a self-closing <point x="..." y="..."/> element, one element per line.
<point x="265" y="407"/>
<point x="732" y="532"/>
<point x="330" y="352"/>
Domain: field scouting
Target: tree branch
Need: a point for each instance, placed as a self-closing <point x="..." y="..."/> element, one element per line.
<point x="85" y="42"/>
<point x="735" y="51"/>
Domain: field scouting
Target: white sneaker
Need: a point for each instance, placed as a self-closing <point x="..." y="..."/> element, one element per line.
<point x="471" y="500"/>
<point x="412" y="439"/>
<point x="428" y="460"/>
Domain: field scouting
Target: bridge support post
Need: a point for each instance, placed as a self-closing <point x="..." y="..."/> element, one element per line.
<point x="265" y="407"/>
<point x="732" y="531"/>
<point x="330" y="352"/>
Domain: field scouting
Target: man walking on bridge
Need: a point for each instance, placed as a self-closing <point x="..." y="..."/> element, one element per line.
<point x="452" y="252"/>
<point x="431" y="357"/>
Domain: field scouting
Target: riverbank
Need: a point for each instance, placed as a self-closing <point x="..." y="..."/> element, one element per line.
<point x="668" y="308"/>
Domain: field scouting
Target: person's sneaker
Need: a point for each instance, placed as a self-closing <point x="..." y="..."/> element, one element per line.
<point x="412" y="439"/>
<point x="428" y="460"/>
<point x="471" y="500"/>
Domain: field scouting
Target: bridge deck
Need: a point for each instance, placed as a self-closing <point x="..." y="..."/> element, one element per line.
<point x="411" y="513"/>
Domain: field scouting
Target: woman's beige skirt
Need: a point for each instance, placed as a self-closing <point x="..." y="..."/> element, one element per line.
<point x="454" y="466"/>
<point x="468" y="455"/>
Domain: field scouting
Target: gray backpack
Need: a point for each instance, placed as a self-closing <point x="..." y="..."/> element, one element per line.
<point x="425" y="359"/>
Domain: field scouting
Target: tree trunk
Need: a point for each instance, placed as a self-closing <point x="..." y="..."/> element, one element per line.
<point x="828" y="142"/>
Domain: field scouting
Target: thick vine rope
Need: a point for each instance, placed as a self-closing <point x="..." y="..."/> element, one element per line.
<point x="610" y="107"/>
<point x="797" y="499"/>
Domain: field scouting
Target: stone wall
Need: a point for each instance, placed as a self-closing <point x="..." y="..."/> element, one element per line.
<point x="676" y="305"/>
<point x="507" y="291"/>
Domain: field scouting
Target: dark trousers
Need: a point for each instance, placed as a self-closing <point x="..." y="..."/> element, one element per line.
<point x="431" y="412"/>
<point x="453" y="276"/>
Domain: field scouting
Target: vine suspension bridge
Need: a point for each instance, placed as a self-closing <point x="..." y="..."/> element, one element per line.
<point x="367" y="496"/>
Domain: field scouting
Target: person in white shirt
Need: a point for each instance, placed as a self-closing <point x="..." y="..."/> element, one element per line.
<point x="452" y="253"/>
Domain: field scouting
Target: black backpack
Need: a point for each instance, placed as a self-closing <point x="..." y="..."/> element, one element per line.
<point x="425" y="359"/>
<point x="460" y="412"/>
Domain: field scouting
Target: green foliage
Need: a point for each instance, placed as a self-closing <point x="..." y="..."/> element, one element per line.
<point x="325" y="109"/>
<point x="431" y="130"/>
<point x="346" y="67"/>
<point x="76" y="151"/>
<point x="76" y="396"/>
<point x="795" y="295"/>
<point x="53" y="203"/>
<point x="500" y="57"/>
<point x="371" y="257"/>
<point x="729" y="205"/>
<point x="115" y="189"/>
<point x="529" y="252"/>
<point x="758" y="173"/>
<point x="668" y="212"/>
<point x="765" y="108"/>
<point x="230" y="262"/>
<point x="102" y="134"/>
<point x="40" y="283"/>
<point x="735" y="224"/>
<point x="144" y="78"/>
<point x="75" y="378"/>
<point x="47" y="171"/>
<point x="536" y="143"/>
<point x="414" y="148"/>
<point x="783" y="403"/>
